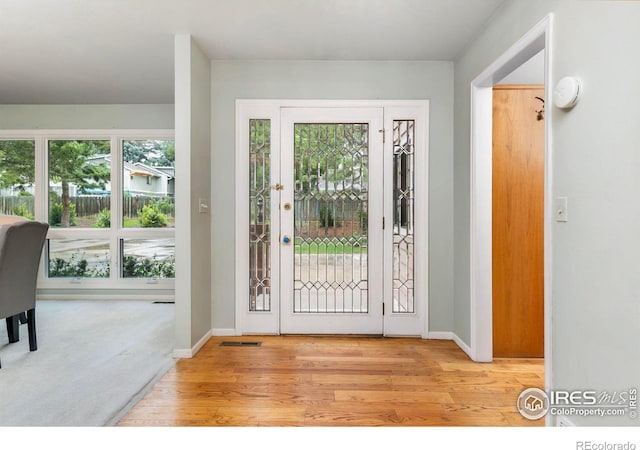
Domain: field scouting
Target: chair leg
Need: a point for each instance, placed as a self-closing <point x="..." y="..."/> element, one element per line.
<point x="23" y="318"/>
<point x="13" y="328"/>
<point x="31" y="324"/>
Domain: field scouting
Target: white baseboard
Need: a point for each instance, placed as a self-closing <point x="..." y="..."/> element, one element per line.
<point x="191" y="352"/>
<point x="451" y="336"/>
<point x="441" y="335"/>
<point x="463" y="345"/>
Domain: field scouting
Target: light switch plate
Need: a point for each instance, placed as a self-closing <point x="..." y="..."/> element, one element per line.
<point x="203" y="206"/>
<point x="562" y="209"/>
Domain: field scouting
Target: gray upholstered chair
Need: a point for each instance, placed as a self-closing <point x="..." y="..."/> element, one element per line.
<point x="21" y="243"/>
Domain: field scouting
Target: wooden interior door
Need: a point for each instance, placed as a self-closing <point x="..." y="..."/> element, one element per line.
<point x="518" y="221"/>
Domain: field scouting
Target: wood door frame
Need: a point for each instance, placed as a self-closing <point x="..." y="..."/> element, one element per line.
<point x="268" y="322"/>
<point x="538" y="38"/>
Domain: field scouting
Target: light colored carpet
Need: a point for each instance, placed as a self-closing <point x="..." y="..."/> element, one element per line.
<point x="95" y="359"/>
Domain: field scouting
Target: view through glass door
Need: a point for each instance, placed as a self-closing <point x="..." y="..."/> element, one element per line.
<point x="331" y="256"/>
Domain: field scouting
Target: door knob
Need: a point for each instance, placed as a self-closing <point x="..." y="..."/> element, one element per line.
<point x="286" y="239"/>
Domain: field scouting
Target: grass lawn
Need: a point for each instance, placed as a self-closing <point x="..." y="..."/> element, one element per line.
<point x="129" y="222"/>
<point x="341" y="246"/>
<point x="134" y="222"/>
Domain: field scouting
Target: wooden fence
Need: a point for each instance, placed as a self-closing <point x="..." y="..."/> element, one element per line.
<point x="91" y="206"/>
<point x="17" y="205"/>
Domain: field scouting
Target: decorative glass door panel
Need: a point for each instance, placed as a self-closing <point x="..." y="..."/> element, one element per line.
<point x="403" y="215"/>
<point x="330" y="207"/>
<point x="331" y="268"/>
<point x="259" y="215"/>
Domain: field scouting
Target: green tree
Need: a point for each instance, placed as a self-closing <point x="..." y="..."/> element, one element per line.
<point x="17" y="164"/>
<point x="68" y="164"/>
<point x="334" y="153"/>
<point x="168" y="149"/>
<point x="157" y="153"/>
<point x="133" y="151"/>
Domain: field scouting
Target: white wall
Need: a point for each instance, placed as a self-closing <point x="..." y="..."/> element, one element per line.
<point x="193" y="229"/>
<point x="596" y="268"/>
<point x="231" y="80"/>
<point x="595" y="282"/>
<point x="91" y="117"/>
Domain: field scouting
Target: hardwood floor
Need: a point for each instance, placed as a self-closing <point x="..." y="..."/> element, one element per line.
<point x="337" y="381"/>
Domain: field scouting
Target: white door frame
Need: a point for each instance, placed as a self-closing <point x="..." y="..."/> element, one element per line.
<point x="538" y="38"/>
<point x="268" y="322"/>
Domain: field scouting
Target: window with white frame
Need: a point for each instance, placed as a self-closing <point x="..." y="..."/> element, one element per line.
<point x="108" y="196"/>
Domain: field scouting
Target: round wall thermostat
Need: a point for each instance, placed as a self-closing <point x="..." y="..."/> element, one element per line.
<point x="567" y="92"/>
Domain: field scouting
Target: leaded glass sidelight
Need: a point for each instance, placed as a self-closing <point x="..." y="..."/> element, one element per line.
<point x="403" y="215"/>
<point x="330" y="218"/>
<point x="259" y="215"/>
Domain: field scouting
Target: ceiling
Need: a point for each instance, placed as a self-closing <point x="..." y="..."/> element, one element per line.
<point x="121" y="51"/>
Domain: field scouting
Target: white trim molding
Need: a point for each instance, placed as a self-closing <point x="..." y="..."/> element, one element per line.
<point x="450" y="336"/>
<point x="191" y="352"/>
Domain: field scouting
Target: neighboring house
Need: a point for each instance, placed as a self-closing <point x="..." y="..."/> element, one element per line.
<point x="139" y="179"/>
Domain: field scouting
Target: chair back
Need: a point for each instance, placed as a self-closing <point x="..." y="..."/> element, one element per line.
<point x="21" y="245"/>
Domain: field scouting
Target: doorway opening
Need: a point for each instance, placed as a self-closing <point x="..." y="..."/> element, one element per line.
<point x="535" y="41"/>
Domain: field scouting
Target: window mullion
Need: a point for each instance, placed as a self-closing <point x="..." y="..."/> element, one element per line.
<point x="41" y="181"/>
<point x="116" y="222"/>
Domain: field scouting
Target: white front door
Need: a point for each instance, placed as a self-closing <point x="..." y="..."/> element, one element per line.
<point x="335" y="196"/>
<point x="331" y="261"/>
